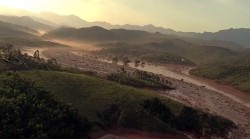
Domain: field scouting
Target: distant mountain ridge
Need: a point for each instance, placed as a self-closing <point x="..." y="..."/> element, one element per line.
<point x="239" y="36"/>
<point x="25" y="21"/>
<point x="9" y="32"/>
<point x="75" y="21"/>
<point x="50" y="20"/>
<point x="18" y="28"/>
<point x="99" y="34"/>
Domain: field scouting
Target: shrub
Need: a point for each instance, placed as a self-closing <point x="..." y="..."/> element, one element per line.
<point x="27" y="111"/>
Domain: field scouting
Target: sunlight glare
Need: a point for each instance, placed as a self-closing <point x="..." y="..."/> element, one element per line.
<point x="21" y="4"/>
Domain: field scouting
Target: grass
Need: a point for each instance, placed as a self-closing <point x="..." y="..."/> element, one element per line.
<point x="107" y="104"/>
<point x="132" y="80"/>
<point x="91" y="95"/>
<point x="237" y="76"/>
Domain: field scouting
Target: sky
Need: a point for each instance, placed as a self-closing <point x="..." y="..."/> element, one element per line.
<point x="180" y="15"/>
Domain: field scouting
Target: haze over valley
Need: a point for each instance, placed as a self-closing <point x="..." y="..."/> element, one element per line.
<point x="110" y="76"/>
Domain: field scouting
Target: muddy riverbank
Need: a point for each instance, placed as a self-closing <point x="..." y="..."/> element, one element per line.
<point x="190" y="90"/>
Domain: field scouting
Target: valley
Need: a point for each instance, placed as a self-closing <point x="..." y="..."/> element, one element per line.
<point x="208" y="95"/>
<point x="64" y="77"/>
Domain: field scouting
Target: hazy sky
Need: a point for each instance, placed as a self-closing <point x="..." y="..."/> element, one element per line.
<point x="181" y="15"/>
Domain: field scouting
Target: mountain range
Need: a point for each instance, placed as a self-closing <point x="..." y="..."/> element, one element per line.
<point x="99" y="34"/>
<point x="47" y="21"/>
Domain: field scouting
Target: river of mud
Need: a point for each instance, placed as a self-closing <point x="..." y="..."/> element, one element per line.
<point x="226" y="90"/>
<point x="197" y="92"/>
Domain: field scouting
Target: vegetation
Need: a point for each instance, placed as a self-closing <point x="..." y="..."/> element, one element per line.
<point x="15" y="60"/>
<point x="238" y="76"/>
<point x="226" y="65"/>
<point x="108" y="104"/>
<point x="167" y="58"/>
<point x="30" y="112"/>
<point x="189" y="120"/>
<point x="140" y="79"/>
<point x="136" y="82"/>
<point x="172" y="51"/>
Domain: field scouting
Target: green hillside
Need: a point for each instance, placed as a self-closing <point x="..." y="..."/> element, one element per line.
<point x="237" y="76"/>
<point x="170" y="51"/>
<point x="109" y="104"/>
<point x="27" y="111"/>
<point x="104" y="103"/>
<point x="91" y="95"/>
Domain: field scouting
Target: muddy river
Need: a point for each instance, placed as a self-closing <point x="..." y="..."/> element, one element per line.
<point x="226" y="90"/>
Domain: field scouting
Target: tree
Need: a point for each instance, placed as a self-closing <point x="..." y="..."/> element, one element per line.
<point x="125" y="60"/>
<point x="115" y="60"/>
<point x="157" y="108"/>
<point x="110" y="116"/>
<point x="122" y="70"/>
<point x="36" y="55"/>
<point x="26" y="111"/>
<point x="137" y="62"/>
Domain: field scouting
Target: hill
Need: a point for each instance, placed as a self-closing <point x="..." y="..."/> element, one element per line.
<point x="19" y="42"/>
<point x="19" y="28"/>
<point x="98" y="34"/>
<point x="239" y="36"/>
<point x="22" y="36"/>
<point x="68" y="20"/>
<point x="9" y="32"/>
<point x="170" y="51"/>
<point x="230" y="36"/>
<point x="30" y="112"/>
<point x="109" y="104"/>
<point x="25" y="21"/>
<point x="77" y="22"/>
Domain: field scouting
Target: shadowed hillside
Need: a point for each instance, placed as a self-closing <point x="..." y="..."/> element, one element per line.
<point x="19" y="28"/>
<point x="9" y="32"/>
<point x="98" y="34"/>
<point x="25" y="21"/>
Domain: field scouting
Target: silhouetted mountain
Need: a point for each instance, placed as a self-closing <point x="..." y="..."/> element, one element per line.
<point x="8" y="32"/>
<point x="77" y="22"/>
<point x="68" y="20"/>
<point x="25" y="21"/>
<point x="240" y="36"/>
<point x="19" y="28"/>
<point x="229" y="36"/>
<point x="83" y="34"/>
<point x="206" y="42"/>
<point x="148" y="28"/>
<point x="44" y="21"/>
<point x="223" y="37"/>
<point x="100" y="34"/>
